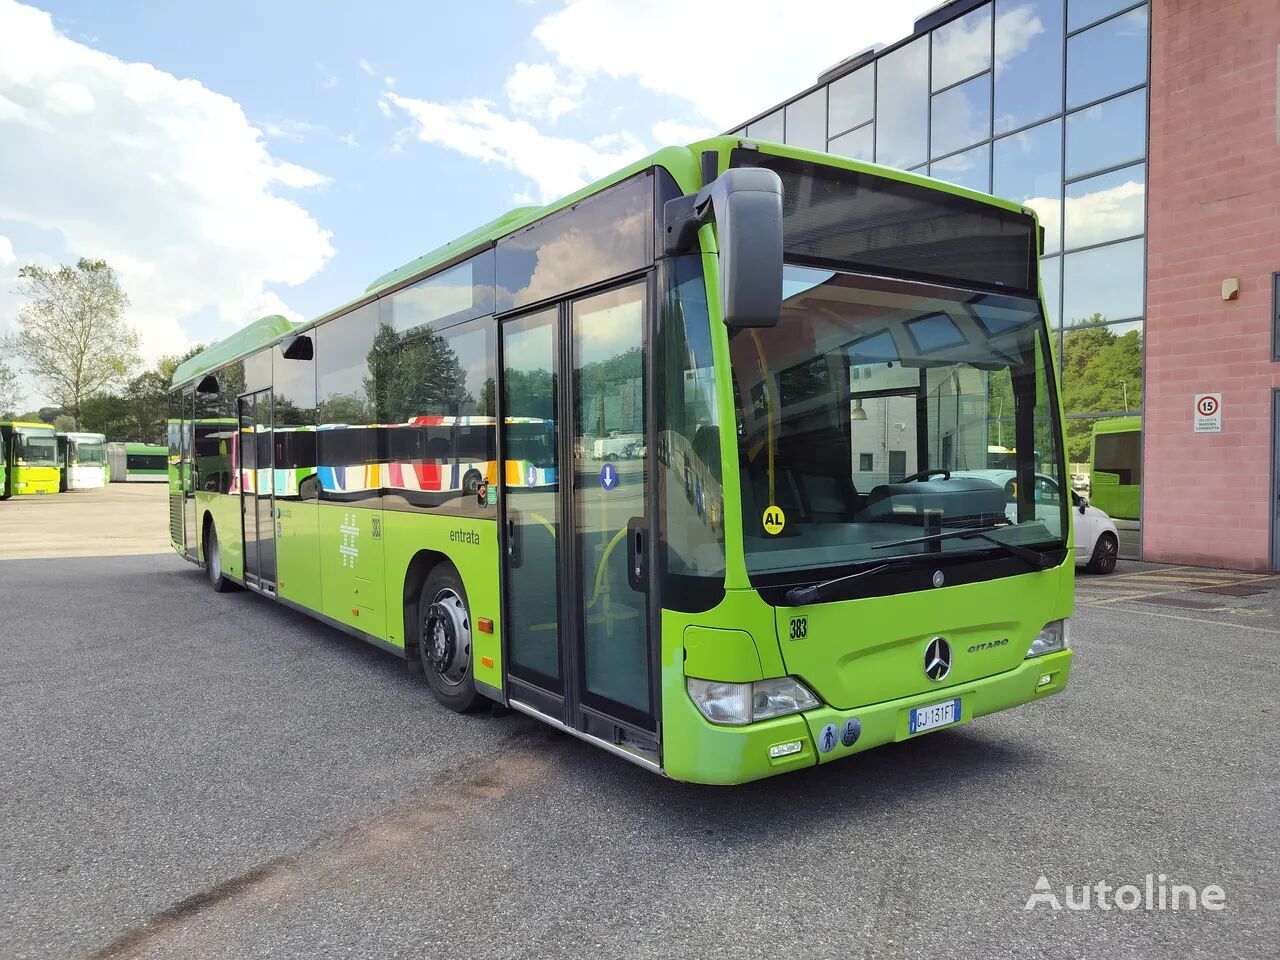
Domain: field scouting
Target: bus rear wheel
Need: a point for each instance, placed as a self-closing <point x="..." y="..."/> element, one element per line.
<point x="444" y="639"/>
<point x="213" y="562"/>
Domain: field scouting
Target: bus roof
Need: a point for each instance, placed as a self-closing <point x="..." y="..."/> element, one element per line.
<point x="145" y="448"/>
<point x="26" y="425"/>
<point x="682" y="162"/>
<point x="82" y="437"/>
<point x="1117" y="425"/>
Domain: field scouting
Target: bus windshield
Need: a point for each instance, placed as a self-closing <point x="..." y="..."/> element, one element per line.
<point x="90" y="451"/>
<point x="870" y="413"/>
<point x="37" y="449"/>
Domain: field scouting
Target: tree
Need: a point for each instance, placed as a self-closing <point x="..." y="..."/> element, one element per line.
<point x="72" y="334"/>
<point x="170" y="362"/>
<point x="8" y="392"/>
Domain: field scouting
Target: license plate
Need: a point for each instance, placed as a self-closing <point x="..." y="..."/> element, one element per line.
<point x="934" y="716"/>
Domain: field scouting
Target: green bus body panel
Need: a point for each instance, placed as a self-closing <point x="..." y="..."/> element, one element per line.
<point x="717" y="654"/>
<point x="298" y="552"/>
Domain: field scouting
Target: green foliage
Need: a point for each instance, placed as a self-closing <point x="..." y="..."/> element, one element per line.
<point x="8" y="392"/>
<point x="169" y="363"/>
<point x="415" y="377"/>
<point x="1100" y="368"/>
<point x="72" y="338"/>
<point x="139" y="412"/>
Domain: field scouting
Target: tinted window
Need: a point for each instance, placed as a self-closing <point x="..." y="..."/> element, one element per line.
<point x="969" y="169"/>
<point x="1081" y="13"/>
<point x="293" y="410"/>
<point x="852" y="99"/>
<point x="961" y="116"/>
<point x="214" y="431"/>
<point x="858" y="144"/>
<point x="1050" y="282"/>
<point x="807" y="121"/>
<point x="1028" y="168"/>
<point x="1104" y="282"/>
<point x="1107" y="134"/>
<point x="1105" y="208"/>
<point x="767" y="128"/>
<point x="1107" y="58"/>
<point x="347" y="438"/>
<point x="962" y="48"/>
<point x="902" y="106"/>
<point x="460" y="293"/>
<point x="1028" y="62"/>
<point x="602" y="236"/>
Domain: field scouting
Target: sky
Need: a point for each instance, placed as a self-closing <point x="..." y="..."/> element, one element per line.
<point x="242" y="158"/>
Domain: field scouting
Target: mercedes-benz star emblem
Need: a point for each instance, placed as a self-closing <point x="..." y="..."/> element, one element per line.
<point x="938" y="578"/>
<point x="937" y="659"/>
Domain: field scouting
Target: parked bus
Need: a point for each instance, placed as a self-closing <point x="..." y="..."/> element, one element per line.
<point x="727" y="599"/>
<point x="1115" y="467"/>
<point x="137" y="462"/>
<point x="31" y="458"/>
<point x="82" y="461"/>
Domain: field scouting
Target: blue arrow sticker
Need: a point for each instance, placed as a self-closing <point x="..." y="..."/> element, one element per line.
<point x="531" y="476"/>
<point x="608" y="476"/>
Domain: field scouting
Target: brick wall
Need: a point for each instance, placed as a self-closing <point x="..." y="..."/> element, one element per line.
<point x="1214" y="182"/>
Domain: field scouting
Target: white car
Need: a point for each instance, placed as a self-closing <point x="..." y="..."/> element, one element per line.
<point x="1097" y="542"/>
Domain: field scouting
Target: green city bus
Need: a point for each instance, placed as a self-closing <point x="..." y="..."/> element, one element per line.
<point x="726" y="418"/>
<point x="82" y="461"/>
<point x="31" y="459"/>
<point x="137" y="462"/>
<point x="1115" y="467"/>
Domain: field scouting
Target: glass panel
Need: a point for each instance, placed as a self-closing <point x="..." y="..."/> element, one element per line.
<point x="1028" y="168"/>
<point x="530" y="484"/>
<point x="961" y="116"/>
<point x="293" y="428"/>
<point x="768" y="128"/>
<point x="1107" y="134"/>
<point x="602" y="236"/>
<point x="1106" y="208"/>
<point x="852" y="99"/>
<point x="457" y="294"/>
<point x="247" y="450"/>
<point x="1050" y="282"/>
<point x="962" y="48"/>
<point x="266" y="479"/>
<point x="346" y="438"/>
<point x="857" y="144"/>
<point x="1101" y="372"/>
<point x="689" y="436"/>
<point x="970" y="169"/>
<point x="1107" y="58"/>
<point x="1104" y="283"/>
<point x="1028" y="62"/>
<point x="807" y="121"/>
<point x="1081" y="13"/>
<point x="902" y="106"/>
<point x="610" y="455"/>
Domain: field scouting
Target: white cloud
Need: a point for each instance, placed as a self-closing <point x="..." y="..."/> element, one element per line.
<point x="366" y="66"/>
<point x="672" y="133"/>
<point x="329" y="83"/>
<point x="476" y="129"/>
<point x="536" y="90"/>
<point x="6" y="251"/>
<point x="161" y="176"/>
<point x="772" y="49"/>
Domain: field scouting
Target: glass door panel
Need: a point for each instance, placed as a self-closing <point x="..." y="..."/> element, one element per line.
<point x="247" y="449"/>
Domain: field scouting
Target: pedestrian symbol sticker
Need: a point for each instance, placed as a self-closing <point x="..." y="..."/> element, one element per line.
<point x="608" y="477"/>
<point x="828" y="737"/>
<point x="774" y="520"/>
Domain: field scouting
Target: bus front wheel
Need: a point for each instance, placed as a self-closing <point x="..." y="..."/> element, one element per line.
<point x="444" y="639"/>
<point x="213" y="562"/>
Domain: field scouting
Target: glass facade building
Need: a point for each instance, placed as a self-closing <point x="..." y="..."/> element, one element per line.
<point x="1040" y="101"/>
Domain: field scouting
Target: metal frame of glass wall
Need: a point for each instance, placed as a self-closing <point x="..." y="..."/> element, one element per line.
<point x="1040" y="101"/>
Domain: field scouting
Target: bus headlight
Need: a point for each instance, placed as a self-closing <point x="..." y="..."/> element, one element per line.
<point x="1053" y="636"/>
<point x="735" y="704"/>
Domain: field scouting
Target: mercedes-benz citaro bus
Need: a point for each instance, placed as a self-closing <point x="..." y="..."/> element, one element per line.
<point x="82" y="460"/>
<point x="789" y="565"/>
<point x="31" y="458"/>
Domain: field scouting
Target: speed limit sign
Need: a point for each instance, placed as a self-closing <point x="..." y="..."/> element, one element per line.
<point x="1207" y="417"/>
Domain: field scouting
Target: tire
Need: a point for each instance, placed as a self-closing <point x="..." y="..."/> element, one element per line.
<point x="444" y="639"/>
<point x="471" y="482"/>
<point x="213" y="563"/>
<point x="1103" y="559"/>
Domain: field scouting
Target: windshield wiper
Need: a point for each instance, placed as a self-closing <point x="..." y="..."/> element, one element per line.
<point x="817" y="592"/>
<point x="1033" y="557"/>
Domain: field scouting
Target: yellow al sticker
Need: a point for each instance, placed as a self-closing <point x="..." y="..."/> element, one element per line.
<point x="774" y="520"/>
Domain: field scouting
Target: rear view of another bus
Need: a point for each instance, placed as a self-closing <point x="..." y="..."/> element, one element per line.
<point x="31" y="451"/>
<point x="146" y="463"/>
<point x="82" y="460"/>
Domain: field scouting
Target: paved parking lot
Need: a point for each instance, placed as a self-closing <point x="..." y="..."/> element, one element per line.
<point x="192" y="775"/>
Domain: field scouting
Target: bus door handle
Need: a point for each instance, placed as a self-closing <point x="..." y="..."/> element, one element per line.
<point x="513" y="538"/>
<point x="637" y="562"/>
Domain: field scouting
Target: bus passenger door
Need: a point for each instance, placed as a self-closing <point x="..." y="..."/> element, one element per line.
<point x="576" y="520"/>
<point x="256" y="476"/>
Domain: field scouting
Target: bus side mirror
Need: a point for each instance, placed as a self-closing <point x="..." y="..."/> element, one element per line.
<point x="746" y="205"/>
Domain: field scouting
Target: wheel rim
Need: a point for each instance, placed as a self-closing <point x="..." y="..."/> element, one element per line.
<point x="446" y="638"/>
<point x="215" y="560"/>
<point x="1107" y="553"/>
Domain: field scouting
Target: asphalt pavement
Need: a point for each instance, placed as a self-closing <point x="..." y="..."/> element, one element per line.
<point x="191" y="775"/>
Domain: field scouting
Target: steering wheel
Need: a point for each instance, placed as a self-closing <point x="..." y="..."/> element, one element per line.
<point x="926" y="474"/>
